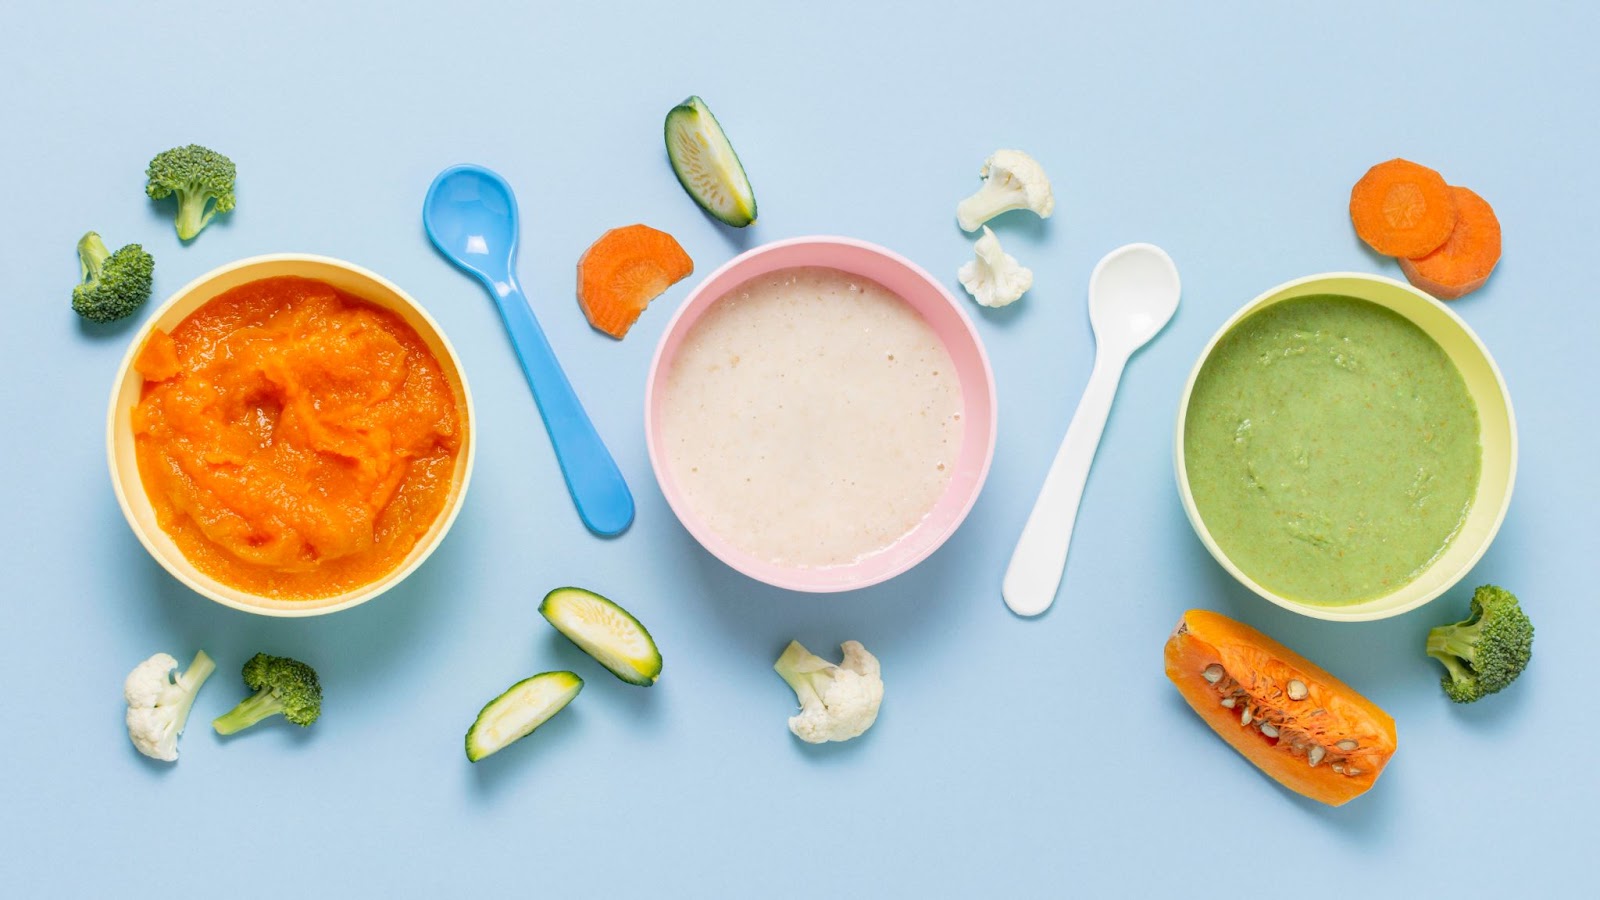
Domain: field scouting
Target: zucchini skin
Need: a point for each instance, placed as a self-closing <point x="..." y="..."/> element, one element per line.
<point x="694" y="106"/>
<point x="475" y="754"/>
<point x="547" y="608"/>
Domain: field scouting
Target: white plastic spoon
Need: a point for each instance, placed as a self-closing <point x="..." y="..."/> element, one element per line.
<point x="1132" y="294"/>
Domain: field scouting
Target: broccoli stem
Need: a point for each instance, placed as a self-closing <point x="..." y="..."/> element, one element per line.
<point x="192" y="214"/>
<point x="253" y="709"/>
<point x="1454" y="646"/>
<point x="92" y="254"/>
<point x="1454" y="640"/>
<point x="1458" y="672"/>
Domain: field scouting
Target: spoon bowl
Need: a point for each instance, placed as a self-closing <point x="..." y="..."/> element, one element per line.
<point x="471" y="216"/>
<point x="1133" y="293"/>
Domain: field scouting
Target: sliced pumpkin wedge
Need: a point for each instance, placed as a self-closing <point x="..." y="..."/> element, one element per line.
<point x="1307" y="729"/>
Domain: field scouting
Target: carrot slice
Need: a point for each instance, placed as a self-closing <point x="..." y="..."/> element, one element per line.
<point x="1465" y="260"/>
<point x="623" y="271"/>
<point x="1402" y="209"/>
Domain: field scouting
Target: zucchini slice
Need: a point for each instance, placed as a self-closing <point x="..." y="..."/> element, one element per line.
<point x="606" y="632"/>
<point x="706" y="165"/>
<point x="516" y="713"/>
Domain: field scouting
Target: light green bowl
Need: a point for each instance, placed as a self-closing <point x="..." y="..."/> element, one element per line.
<point x="1498" y="438"/>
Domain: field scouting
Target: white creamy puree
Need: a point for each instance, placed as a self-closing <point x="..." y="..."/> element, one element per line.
<point x="811" y="417"/>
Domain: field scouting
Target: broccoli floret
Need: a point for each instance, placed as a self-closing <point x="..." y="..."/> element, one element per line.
<point x="1487" y="651"/>
<point x="200" y="178"/>
<point x="114" y="284"/>
<point x="281" y="685"/>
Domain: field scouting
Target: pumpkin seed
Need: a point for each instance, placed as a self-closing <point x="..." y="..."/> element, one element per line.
<point x="1352" y="771"/>
<point x="1338" y="768"/>
<point x="1244" y="717"/>
<point x="1347" y="746"/>
<point x="1212" y="673"/>
<point x="1297" y="690"/>
<point x="1268" y="730"/>
<point x="1315" y="756"/>
<point x="1228" y="702"/>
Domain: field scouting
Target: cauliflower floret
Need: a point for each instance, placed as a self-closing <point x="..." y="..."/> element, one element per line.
<point x="994" y="277"/>
<point x="837" y="702"/>
<point x="1011" y="180"/>
<point x="159" y="698"/>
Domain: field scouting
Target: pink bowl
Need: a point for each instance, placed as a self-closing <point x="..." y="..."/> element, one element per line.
<point x="949" y="322"/>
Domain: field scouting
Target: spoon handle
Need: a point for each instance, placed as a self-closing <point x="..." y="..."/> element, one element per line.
<point x="1034" y="575"/>
<point x="596" y="484"/>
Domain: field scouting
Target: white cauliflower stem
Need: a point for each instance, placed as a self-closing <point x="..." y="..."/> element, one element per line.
<point x="1011" y="180"/>
<point x="159" y="698"/>
<point x="994" y="277"/>
<point x="837" y="702"/>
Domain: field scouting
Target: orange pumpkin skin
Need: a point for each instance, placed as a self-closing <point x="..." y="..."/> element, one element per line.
<point x="1347" y="736"/>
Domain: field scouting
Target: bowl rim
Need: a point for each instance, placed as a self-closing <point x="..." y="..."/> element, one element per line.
<point x="357" y="596"/>
<point x="789" y="578"/>
<point x="1355" y="612"/>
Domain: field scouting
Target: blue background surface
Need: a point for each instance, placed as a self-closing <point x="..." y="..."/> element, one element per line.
<point x="1043" y="757"/>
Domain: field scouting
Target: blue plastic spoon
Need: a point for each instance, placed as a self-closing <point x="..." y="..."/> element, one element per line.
<point x="471" y="216"/>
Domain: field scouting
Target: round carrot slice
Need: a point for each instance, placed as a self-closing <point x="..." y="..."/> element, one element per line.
<point x="1402" y="209"/>
<point x="623" y="271"/>
<point x="1466" y="259"/>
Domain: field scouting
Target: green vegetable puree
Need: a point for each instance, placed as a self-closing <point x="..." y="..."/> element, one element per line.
<point x="1332" y="448"/>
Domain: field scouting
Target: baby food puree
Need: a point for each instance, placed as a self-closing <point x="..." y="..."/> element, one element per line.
<point x="811" y="417"/>
<point x="1331" y="448"/>
<point x="294" y="441"/>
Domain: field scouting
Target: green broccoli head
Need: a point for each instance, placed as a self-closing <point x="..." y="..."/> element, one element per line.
<point x="202" y="180"/>
<point x="1486" y="652"/>
<point x="282" y="686"/>
<point x="113" y="284"/>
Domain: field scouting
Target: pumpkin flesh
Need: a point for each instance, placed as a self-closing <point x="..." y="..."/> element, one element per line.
<point x="1310" y="731"/>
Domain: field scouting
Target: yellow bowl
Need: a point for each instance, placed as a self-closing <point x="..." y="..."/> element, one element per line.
<point x="125" y="391"/>
<point x="1498" y="436"/>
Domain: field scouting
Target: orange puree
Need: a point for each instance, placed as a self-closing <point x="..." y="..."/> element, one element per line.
<point x="294" y="440"/>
